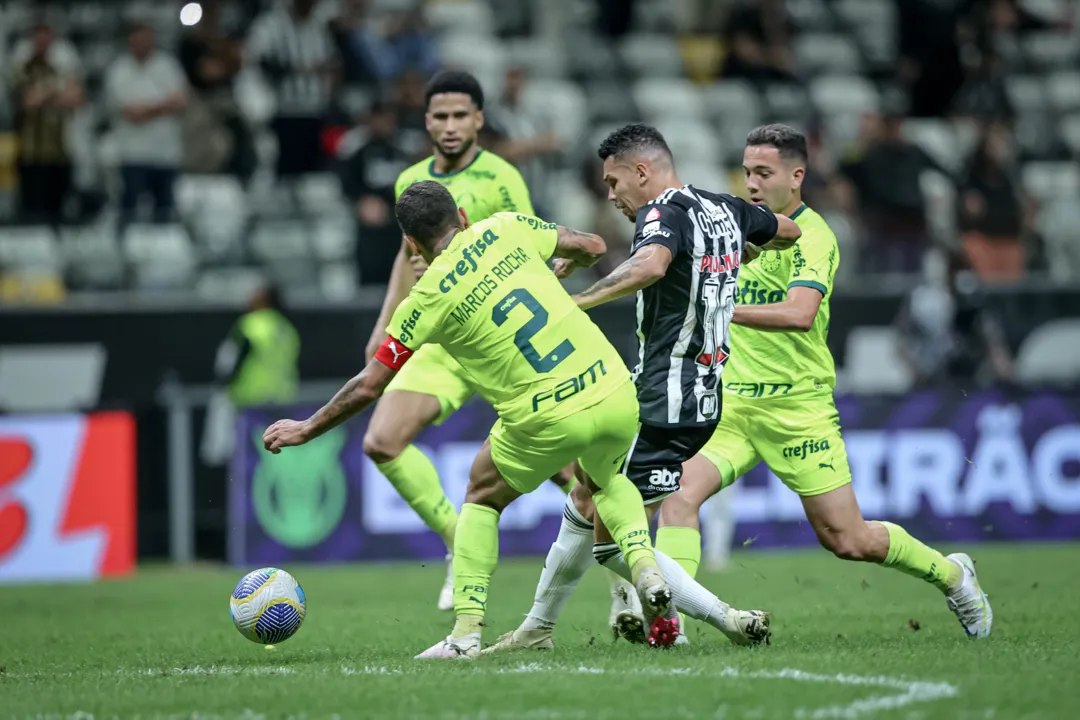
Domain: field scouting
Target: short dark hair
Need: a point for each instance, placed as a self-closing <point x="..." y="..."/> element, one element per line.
<point x="455" y="81"/>
<point x="426" y="211"/>
<point x="632" y="139"/>
<point x="789" y="142"/>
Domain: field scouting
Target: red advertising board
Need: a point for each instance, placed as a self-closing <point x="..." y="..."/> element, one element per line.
<point x="67" y="496"/>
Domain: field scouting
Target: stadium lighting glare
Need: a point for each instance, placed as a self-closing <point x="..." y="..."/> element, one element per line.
<point x="190" y="14"/>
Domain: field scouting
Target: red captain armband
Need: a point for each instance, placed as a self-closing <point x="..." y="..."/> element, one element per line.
<point x="393" y="354"/>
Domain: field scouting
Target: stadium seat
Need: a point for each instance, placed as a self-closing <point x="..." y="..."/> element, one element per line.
<point x="1027" y="93"/>
<point x="608" y="103"/>
<point x="660" y="98"/>
<point x="1070" y="134"/>
<point x="29" y="248"/>
<point x="1049" y="49"/>
<point x="541" y="58"/>
<point x="162" y="255"/>
<point x="735" y="108"/>
<point x="1048" y="355"/>
<point x="485" y="57"/>
<point x="92" y="257"/>
<point x="817" y="53"/>
<point x="940" y="195"/>
<point x="593" y="58"/>
<point x="702" y="175"/>
<point x="1057" y="222"/>
<point x="338" y="281"/>
<point x="938" y="138"/>
<point x="787" y="101"/>
<point x="562" y="102"/>
<point x="319" y="193"/>
<point x="280" y="240"/>
<point x="334" y="237"/>
<point x="228" y="285"/>
<point x="1046" y="181"/>
<point x="194" y="193"/>
<point x="872" y="363"/>
<point x="459" y="17"/>
<point x="1063" y="91"/>
<point x="844" y="94"/>
<point x="691" y="140"/>
<point x="813" y="15"/>
<point x="652" y="56"/>
<point x="874" y="24"/>
<point x="575" y="203"/>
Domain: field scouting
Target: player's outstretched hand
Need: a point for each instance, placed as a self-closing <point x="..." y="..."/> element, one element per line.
<point x="563" y="267"/>
<point x="750" y="253"/>
<point x="285" y="433"/>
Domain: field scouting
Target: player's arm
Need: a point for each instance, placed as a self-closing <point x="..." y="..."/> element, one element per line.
<point x="644" y="268"/>
<point x="763" y="229"/>
<point x="811" y="276"/>
<point x="796" y="313"/>
<point x="575" y="249"/>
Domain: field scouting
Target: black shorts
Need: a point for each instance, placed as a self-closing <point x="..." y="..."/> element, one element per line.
<point x="654" y="463"/>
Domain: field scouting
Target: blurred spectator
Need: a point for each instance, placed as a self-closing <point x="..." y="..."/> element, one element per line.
<point x="371" y="58"/>
<point x="991" y="215"/>
<point x="614" y="17"/>
<point x="929" y="47"/>
<point x="259" y="359"/>
<point x="216" y="136"/>
<point x="147" y="93"/>
<point x="983" y="96"/>
<point x="886" y="176"/>
<point x="294" y="48"/>
<point x="947" y="337"/>
<point x="411" y="114"/>
<point x="526" y="141"/>
<point x="357" y="44"/>
<point x="758" y="38"/>
<point x="47" y="88"/>
<point x="1001" y="22"/>
<point x="371" y="161"/>
<point x="823" y="189"/>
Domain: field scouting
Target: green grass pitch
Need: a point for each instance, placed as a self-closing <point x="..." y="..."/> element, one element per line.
<point x="162" y="645"/>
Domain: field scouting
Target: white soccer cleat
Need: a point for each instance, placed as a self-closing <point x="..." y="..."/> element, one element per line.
<point x="968" y="601"/>
<point x="748" y="627"/>
<point x="462" y="648"/>
<point x="625" y="618"/>
<point x="446" y="594"/>
<point x="655" y="598"/>
<point x="538" y="639"/>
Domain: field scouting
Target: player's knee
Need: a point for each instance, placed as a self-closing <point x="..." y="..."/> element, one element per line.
<point x="583" y="501"/>
<point x="846" y="546"/>
<point x="381" y="448"/>
<point x="681" y="508"/>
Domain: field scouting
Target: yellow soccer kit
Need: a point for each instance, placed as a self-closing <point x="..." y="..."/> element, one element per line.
<point x="561" y="389"/>
<point x="778" y="386"/>
<point x="485" y="186"/>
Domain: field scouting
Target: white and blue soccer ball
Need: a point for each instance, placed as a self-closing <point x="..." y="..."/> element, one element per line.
<point x="268" y="606"/>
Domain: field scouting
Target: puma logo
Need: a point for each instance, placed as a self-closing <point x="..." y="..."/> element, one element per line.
<point x="392" y="347"/>
<point x="826" y="465"/>
<point x="478" y="601"/>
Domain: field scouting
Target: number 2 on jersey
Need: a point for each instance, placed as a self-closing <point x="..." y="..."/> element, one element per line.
<point x="523" y="337"/>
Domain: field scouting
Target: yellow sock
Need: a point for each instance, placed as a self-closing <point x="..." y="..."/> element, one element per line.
<point x="417" y="481"/>
<point x="619" y="506"/>
<point x="681" y="544"/>
<point x="476" y="553"/>
<point x="912" y="557"/>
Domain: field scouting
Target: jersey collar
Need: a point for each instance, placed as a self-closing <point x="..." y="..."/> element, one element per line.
<point x="433" y="173"/>
<point x="798" y="211"/>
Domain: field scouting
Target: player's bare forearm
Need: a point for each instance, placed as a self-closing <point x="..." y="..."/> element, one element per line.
<point x="581" y="248"/>
<point x="796" y="314"/>
<point x="353" y="398"/>
<point x="787" y="233"/>
<point x="644" y="268"/>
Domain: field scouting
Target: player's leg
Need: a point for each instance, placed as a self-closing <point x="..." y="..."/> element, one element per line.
<point x="476" y="554"/>
<point x="816" y="467"/>
<point x="430" y="388"/>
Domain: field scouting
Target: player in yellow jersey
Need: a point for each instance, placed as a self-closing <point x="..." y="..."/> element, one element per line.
<point x="561" y="389"/>
<point x="778" y="399"/>
<point x="434" y="386"/>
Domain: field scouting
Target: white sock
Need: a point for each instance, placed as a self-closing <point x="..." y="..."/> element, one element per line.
<point x="690" y="596"/>
<point x="567" y="562"/>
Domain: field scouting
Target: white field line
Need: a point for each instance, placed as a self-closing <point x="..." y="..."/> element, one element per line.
<point x="901" y="692"/>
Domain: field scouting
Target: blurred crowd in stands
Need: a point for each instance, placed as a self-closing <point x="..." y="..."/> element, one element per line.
<point x="947" y="124"/>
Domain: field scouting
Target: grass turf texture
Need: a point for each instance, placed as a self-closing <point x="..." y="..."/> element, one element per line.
<point x="162" y="645"/>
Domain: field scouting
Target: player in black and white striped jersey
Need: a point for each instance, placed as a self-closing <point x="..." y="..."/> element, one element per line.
<point x="688" y="247"/>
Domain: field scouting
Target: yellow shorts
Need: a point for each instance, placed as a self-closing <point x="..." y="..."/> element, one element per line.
<point x="798" y="438"/>
<point x="599" y="437"/>
<point x="432" y="371"/>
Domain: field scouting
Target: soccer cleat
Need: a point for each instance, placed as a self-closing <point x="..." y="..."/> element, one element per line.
<point x="654" y="593"/>
<point x="664" y="631"/>
<point x="446" y="595"/>
<point x="539" y="639"/>
<point x="625" y="618"/>
<point x="968" y="601"/>
<point x="748" y="627"/>
<point x="462" y="648"/>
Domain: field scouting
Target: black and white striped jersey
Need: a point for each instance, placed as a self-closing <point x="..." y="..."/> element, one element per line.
<point x="682" y="320"/>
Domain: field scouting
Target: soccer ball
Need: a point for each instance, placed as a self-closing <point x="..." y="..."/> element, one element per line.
<point x="267" y="606"/>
